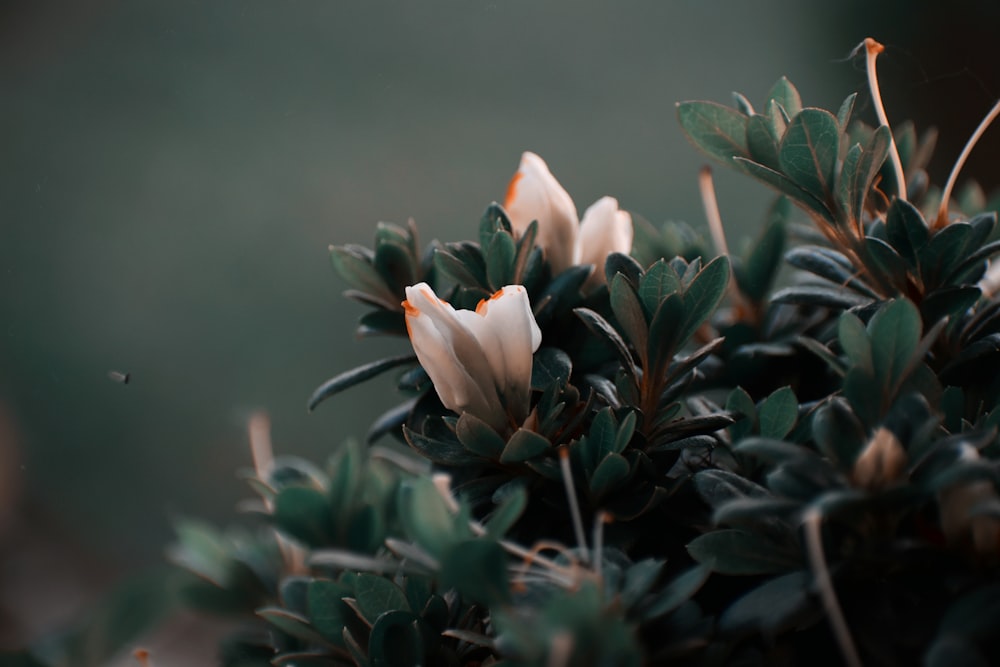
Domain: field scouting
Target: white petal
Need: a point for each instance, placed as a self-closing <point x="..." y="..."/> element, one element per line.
<point x="451" y="355"/>
<point x="535" y="194"/>
<point x="510" y="337"/>
<point x="604" y="230"/>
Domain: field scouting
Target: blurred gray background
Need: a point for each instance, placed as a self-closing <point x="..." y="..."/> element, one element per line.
<point x="172" y="172"/>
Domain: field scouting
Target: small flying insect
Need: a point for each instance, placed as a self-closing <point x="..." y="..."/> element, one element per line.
<point x="119" y="377"/>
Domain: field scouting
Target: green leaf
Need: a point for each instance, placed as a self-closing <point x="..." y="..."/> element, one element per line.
<point x="439" y="451"/>
<point x="348" y="379"/>
<point x="952" y="650"/>
<point x="838" y="433"/>
<point x="524" y="445"/>
<point x="659" y="282"/>
<point x="785" y="94"/>
<point x="396" y="640"/>
<point x="820" y="295"/>
<point x="762" y="142"/>
<point x="906" y="230"/>
<point x="716" y="129"/>
<point x="664" y="332"/>
<point x="551" y="367"/>
<point x="772" y="607"/>
<point x="848" y="185"/>
<point x="739" y="403"/>
<point x="494" y="220"/>
<point x="395" y="265"/>
<point x="853" y="337"/>
<point x="871" y="162"/>
<point x="629" y="313"/>
<point x="456" y="269"/>
<point x="354" y="265"/>
<point x="702" y="297"/>
<point x="477" y="569"/>
<point x="894" y="332"/>
<point x="425" y="516"/>
<point x="678" y="591"/>
<point x="733" y="551"/>
<point x="376" y="595"/>
<point x="845" y="111"/>
<point x="327" y="611"/>
<point x="291" y="623"/>
<point x="756" y="276"/>
<point x="500" y="260"/>
<point x="800" y="196"/>
<point x="717" y="487"/>
<point x="507" y="513"/>
<point x="304" y="514"/>
<point x="830" y="265"/>
<point x="601" y="327"/>
<point x="778" y="413"/>
<point x="808" y="151"/>
<point x="479" y="437"/>
<point x="610" y="471"/>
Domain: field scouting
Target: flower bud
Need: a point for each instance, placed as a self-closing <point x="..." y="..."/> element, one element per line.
<point x="604" y="229"/>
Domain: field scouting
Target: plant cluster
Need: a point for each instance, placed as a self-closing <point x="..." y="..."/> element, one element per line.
<point x="618" y="450"/>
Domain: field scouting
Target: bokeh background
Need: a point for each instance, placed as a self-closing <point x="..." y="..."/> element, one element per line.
<point x="173" y="171"/>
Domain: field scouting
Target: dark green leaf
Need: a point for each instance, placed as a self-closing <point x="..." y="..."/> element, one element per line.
<point x="376" y="595"/>
<point x="600" y="326"/>
<point x="716" y="129"/>
<point x="500" y="260"/>
<point x="762" y="143"/>
<point x="784" y="185"/>
<point x="808" y="151"/>
<point x="426" y="517"/>
<point x="717" y="487"/>
<point x="785" y="94"/>
<point x="845" y="111"/>
<point x="733" y="551"/>
<point x="628" y="311"/>
<point x="756" y="276"/>
<point x="291" y="623"/>
<point x="778" y="413"/>
<point x="853" y="337"/>
<point x="702" y="297"/>
<point x="355" y="376"/>
<point x="659" y="282"/>
<point x="524" y="445"/>
<point x="894" y="332"/>
<point x="507" y="513"/>
<point x="479" y="437"/>
<point x="678" y="591"/>
<point x="610" y="471"/>
<point x="477" y="569"/>
<point x="838" y="433"/>
<point x="328" y="613"/>
<point x="304" y="514"/>
<point x="771" y="607"/>
<point x="906" y="230"/>
<point x="820" y="295"/>
<point x="396" y="640"/>
<point x="551" y="367"/>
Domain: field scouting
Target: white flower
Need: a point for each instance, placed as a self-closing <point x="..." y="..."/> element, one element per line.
<point x="535" y="194"/>
<point x="479" y="361"/>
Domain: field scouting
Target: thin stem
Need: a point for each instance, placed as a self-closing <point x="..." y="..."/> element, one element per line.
<point x="574" y="505"/>
<point x="599" y="521"/>
<point x="711" y="204"/>
<point x="872" y="49"/>
<point x="942" y="217"/>
<point x="262" y="453"/>
<point x="817" y="561"/>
